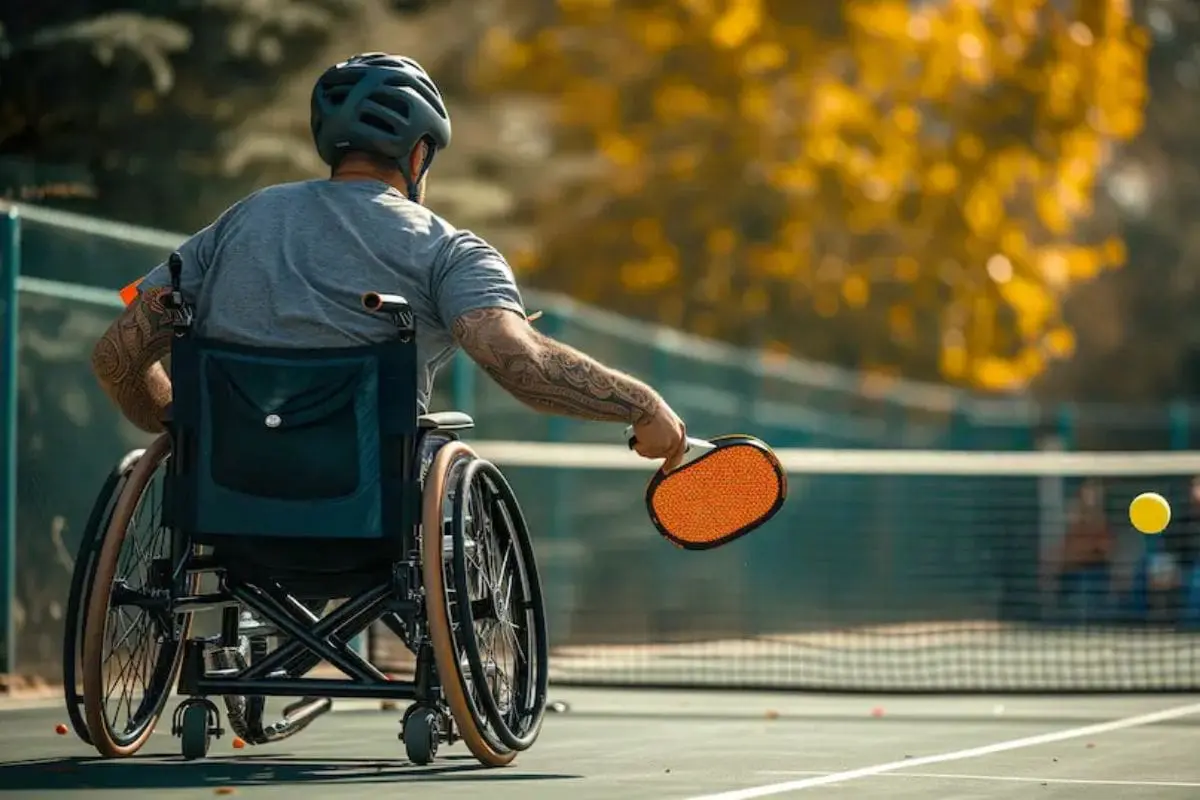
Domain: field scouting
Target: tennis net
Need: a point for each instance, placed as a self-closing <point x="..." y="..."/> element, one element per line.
<point x="886" y="571"/>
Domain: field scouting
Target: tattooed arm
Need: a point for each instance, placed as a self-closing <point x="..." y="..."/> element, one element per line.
<point x="548" y="375"/>
<point x="127" y="361"/>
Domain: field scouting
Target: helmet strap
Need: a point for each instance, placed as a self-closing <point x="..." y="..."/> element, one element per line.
<point x="414" y="191"/>
<point x="414" y="184"/>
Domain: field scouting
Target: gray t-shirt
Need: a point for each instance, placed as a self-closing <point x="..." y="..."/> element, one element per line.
<point x="287" y="267"/>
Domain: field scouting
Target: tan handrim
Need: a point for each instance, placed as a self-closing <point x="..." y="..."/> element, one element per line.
<point x="97" y="610"/>
<point x="448" y="665"/>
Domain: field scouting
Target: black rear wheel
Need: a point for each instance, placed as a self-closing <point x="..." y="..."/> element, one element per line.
<point x="132" y="642"/>
<point x="500" y="620"/>
<point x="437" y="568"/>
<point x="81" y="588"/>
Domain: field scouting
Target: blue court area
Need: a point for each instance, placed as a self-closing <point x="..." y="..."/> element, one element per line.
<point x="659" y="745"/>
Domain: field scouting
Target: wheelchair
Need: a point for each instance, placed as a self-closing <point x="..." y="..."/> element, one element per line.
<point x="312" y="496"/>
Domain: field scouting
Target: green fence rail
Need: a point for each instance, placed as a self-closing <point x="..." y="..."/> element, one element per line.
<point x="10" y="261"/>
<point x="59" y="436"/>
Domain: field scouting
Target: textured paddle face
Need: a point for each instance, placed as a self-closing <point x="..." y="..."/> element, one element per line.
<point x="718" y="496"/>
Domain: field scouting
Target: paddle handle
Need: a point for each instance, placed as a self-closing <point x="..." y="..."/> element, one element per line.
<point x="692" y="442"/>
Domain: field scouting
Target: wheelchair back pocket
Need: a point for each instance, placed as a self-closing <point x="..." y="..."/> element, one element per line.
<point x="284" y="433"/>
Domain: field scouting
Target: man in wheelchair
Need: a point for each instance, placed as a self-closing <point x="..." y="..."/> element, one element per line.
<point x="299" y="464"/>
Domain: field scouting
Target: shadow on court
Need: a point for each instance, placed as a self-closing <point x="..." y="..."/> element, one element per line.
<point x="167" y="773"/>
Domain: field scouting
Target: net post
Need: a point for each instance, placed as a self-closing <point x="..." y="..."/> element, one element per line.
<point x="1052" y="512"/>
<point x="1181" y="422"/>
<point x="561" y="581"/>
<point x="1066" y="425"/>
<point x="360" y="644"/>
<point x="462" y="384"/>
<point x="10" y="267"/>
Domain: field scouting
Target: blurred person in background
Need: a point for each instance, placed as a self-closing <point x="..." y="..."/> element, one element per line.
<point x="1080" y="570"/>
<point x="287" y="267"/>
<point x="1173" y="565"/>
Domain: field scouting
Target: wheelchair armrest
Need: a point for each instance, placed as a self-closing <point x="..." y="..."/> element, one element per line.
<point x="446" y="421"/>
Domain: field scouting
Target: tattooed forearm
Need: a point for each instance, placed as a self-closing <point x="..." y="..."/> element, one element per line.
<point x="126" y="361"/>
<point x="548" y="375"/>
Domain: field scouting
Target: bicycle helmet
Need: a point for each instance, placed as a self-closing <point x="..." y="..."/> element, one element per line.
<point x="379" y="104"/>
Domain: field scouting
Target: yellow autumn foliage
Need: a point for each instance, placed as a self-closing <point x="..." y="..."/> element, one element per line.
<point x="773" y="170"/>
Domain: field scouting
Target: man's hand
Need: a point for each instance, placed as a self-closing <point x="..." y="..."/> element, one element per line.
<point x="663" y="436"/>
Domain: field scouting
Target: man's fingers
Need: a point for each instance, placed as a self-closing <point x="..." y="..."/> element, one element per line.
<point x="646" y="452"/>
<point x="677" y="453"/>
<point x="651" y="452"/>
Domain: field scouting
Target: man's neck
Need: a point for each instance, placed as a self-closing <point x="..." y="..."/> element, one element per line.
<point x="369" y="172"/>
<point x="398" y="185"/>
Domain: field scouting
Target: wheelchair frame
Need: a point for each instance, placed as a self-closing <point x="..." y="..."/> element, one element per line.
<point x="427" y="625"/>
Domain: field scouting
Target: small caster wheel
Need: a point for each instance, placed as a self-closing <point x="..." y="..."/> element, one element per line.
<point x="194" y="733"/>
<point x="422" y="729"/>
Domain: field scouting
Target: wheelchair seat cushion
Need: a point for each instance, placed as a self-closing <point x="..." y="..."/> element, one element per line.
<point x="313" y="568"/>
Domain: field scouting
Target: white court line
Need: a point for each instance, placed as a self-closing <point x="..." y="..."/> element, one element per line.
<point x="1016" y="779"/>
<point x="952" y="776"/>
<point x="956" y="755"/>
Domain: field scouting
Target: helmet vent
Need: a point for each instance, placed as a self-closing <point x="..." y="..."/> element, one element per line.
<point x="378" y="122"/>
<point x="337" y="94"/>
<point x="392" y="103"/>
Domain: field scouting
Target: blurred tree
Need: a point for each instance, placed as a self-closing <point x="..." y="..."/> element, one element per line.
<point x="877" y="182"/>
<point x="1139" y="324"/>
<point x="124" y="110"/>
<point x="124" y="106"/>
<point x="164" y="113"/>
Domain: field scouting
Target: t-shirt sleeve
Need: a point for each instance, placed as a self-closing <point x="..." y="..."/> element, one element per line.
<point x="470" y="274"/>
<point x="197" y="253"/>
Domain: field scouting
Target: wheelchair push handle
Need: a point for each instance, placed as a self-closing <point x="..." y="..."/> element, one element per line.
<point x="379" y="303"/>
<point x="175" y="269"/>
<point x="396" y="308"/>
<point x="180" y="312"/>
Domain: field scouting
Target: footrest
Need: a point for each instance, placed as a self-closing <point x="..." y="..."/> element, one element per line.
<point x="297" y="717"/>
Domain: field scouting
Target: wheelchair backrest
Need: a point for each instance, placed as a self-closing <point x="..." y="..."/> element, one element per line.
<point x="293" y="443"/>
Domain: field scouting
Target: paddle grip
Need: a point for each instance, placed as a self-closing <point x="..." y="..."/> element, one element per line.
<point x="692" y="443"/>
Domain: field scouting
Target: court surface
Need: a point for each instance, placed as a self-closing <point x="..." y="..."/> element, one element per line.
<point x="657" y="745"/>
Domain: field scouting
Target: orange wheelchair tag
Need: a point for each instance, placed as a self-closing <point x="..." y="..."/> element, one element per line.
<point x="130" y="292"/>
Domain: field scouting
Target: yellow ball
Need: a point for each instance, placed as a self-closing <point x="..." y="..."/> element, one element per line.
<point x="1150" y="512"/>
